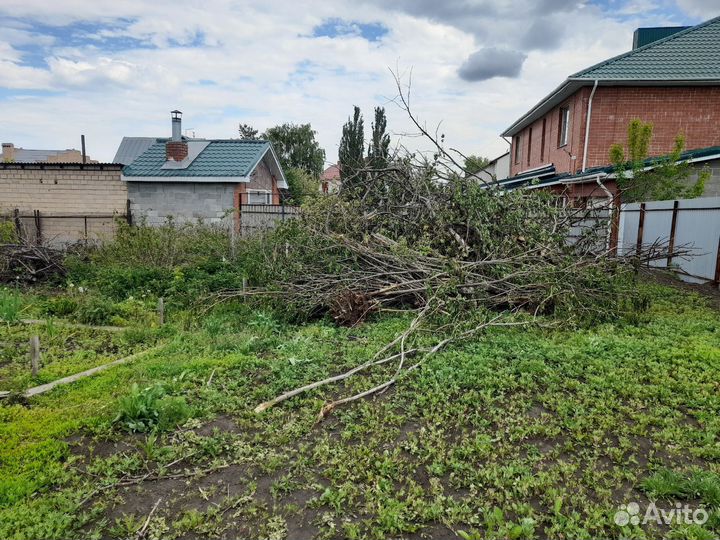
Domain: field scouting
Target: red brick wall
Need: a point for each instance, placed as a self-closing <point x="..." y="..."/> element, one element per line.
<point x="561" y="157"/>
<point x="694" y="111"/>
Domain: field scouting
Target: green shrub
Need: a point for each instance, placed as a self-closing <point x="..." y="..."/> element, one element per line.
<point x="8" y="234"/>
<point x="10" y="305"/>
<point x="146" y="409"/>
<point x="95" y="311"/>
<point x="60" y="306"/>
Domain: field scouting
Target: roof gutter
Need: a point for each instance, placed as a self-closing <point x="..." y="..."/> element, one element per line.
<point x="587" y="126"/>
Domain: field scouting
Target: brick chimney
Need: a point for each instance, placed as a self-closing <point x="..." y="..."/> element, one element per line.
<point x="176" y="148"/>
<point x="8" y="152"/>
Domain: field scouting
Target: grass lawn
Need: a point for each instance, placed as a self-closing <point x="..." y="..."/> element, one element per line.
<point x="526" y="433"/>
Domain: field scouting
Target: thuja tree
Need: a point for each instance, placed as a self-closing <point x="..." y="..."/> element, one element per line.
<point x="665" y="178"/>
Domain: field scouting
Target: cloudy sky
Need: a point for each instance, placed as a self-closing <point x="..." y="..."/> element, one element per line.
<point x="108" y="68"/>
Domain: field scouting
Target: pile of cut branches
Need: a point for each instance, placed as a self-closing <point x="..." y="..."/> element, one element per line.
<point x="29" y="263"/>
<point x="424" y="236"/>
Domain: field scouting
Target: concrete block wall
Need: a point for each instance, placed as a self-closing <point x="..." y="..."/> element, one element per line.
<point x="64" y="191"/>
<point x="155" y="202"/>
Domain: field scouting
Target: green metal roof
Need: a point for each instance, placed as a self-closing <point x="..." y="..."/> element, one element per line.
<point x="219" y="158"/>
<point x="690" y="55"/>
<point x="545" y="176"/>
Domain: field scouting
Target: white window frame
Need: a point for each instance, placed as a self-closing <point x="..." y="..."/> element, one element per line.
<point x="259" y="192"/>
<point x="564" y="126"/>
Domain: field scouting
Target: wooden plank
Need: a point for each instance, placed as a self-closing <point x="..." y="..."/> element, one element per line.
<point x="74" y="325"/>
<point x="43" y="388"/>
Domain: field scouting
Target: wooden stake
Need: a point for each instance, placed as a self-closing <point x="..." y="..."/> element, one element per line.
<point x="244" y="284"/>
<point x="161" y="311"/>
<point x="35" y="354"/>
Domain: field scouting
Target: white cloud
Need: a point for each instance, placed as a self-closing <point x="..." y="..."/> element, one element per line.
<point x="131" y="62"/>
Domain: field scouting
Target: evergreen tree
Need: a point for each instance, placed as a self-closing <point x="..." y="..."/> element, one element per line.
<point x="246" y="131"/>
<point x="351" y="155"/>
<point x="379" y="150"/>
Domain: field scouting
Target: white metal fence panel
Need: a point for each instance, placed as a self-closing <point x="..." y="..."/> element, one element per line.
<point x="697" y="226"/>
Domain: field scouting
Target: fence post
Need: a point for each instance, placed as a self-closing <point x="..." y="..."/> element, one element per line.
<point x="673" y="227"/>
<point x="641" y="224"/>
<point x="128" y="213"/>
<point x="18" y="226"/>
<point x="35" y="354"/>
<point x="282" y="208"/>
<point x="38" y="227"/>
<point x="161" y="310"/>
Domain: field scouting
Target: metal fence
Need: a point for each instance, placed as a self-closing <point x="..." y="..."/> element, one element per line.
<point x="53" y="228"/>
<point x="261" y="217"/>
<point x="692" y="223"/>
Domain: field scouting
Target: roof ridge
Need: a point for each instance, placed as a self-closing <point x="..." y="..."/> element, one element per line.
<point x="644" y="47"/>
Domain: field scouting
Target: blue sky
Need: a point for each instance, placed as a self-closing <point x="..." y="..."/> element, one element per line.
<point x="107" y="69"/>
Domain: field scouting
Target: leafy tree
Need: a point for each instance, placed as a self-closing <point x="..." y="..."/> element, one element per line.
<point x="296" y="147"/>
<point x="379" y="150"/>
<point x="301" y="185"/>
<point x="475" y="164"/>
<point x="248" y="132"/>
<point x="668" y="179"/>
<point x="351" y="155"/>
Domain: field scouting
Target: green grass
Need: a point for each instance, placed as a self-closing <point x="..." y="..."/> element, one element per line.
<point x="525" y="433"/>
<point x="10" y="306"/>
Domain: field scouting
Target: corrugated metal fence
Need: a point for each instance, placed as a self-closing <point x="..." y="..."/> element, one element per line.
<point x="692" y="223"/>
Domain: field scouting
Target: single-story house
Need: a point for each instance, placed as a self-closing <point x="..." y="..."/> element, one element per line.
<point x="207" y="180"/>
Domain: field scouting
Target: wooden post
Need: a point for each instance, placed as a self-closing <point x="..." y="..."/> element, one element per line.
<point x="128" y="213"/>
<point x="38" y="227"/>
<point x="244" y="285"/>
<point x="35" y="354"/>
<point x="641" y="224"/>
<point x="161" y="310"/>
<point x="18" y="226"/>
<point x="615" y="224"/>
<point x="673" y="227"/>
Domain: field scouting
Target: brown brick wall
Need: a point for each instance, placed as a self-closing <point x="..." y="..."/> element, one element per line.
<point x="694" y="111"/>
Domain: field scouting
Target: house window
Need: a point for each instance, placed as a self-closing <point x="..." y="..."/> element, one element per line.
<point x="259" y="197"/>
<point x="529" y="145"/>
<point x="518" y="151"/>
<point x="564" y="125"/>
<point x="542" y="142"/>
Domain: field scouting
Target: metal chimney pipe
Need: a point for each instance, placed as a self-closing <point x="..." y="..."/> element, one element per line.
<point x="176" y="125"/>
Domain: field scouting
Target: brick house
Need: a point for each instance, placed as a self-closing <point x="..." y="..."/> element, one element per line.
<point x="330" y="179"/>
<point x="198" y="179"/>
<point x="672" y="82"/>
